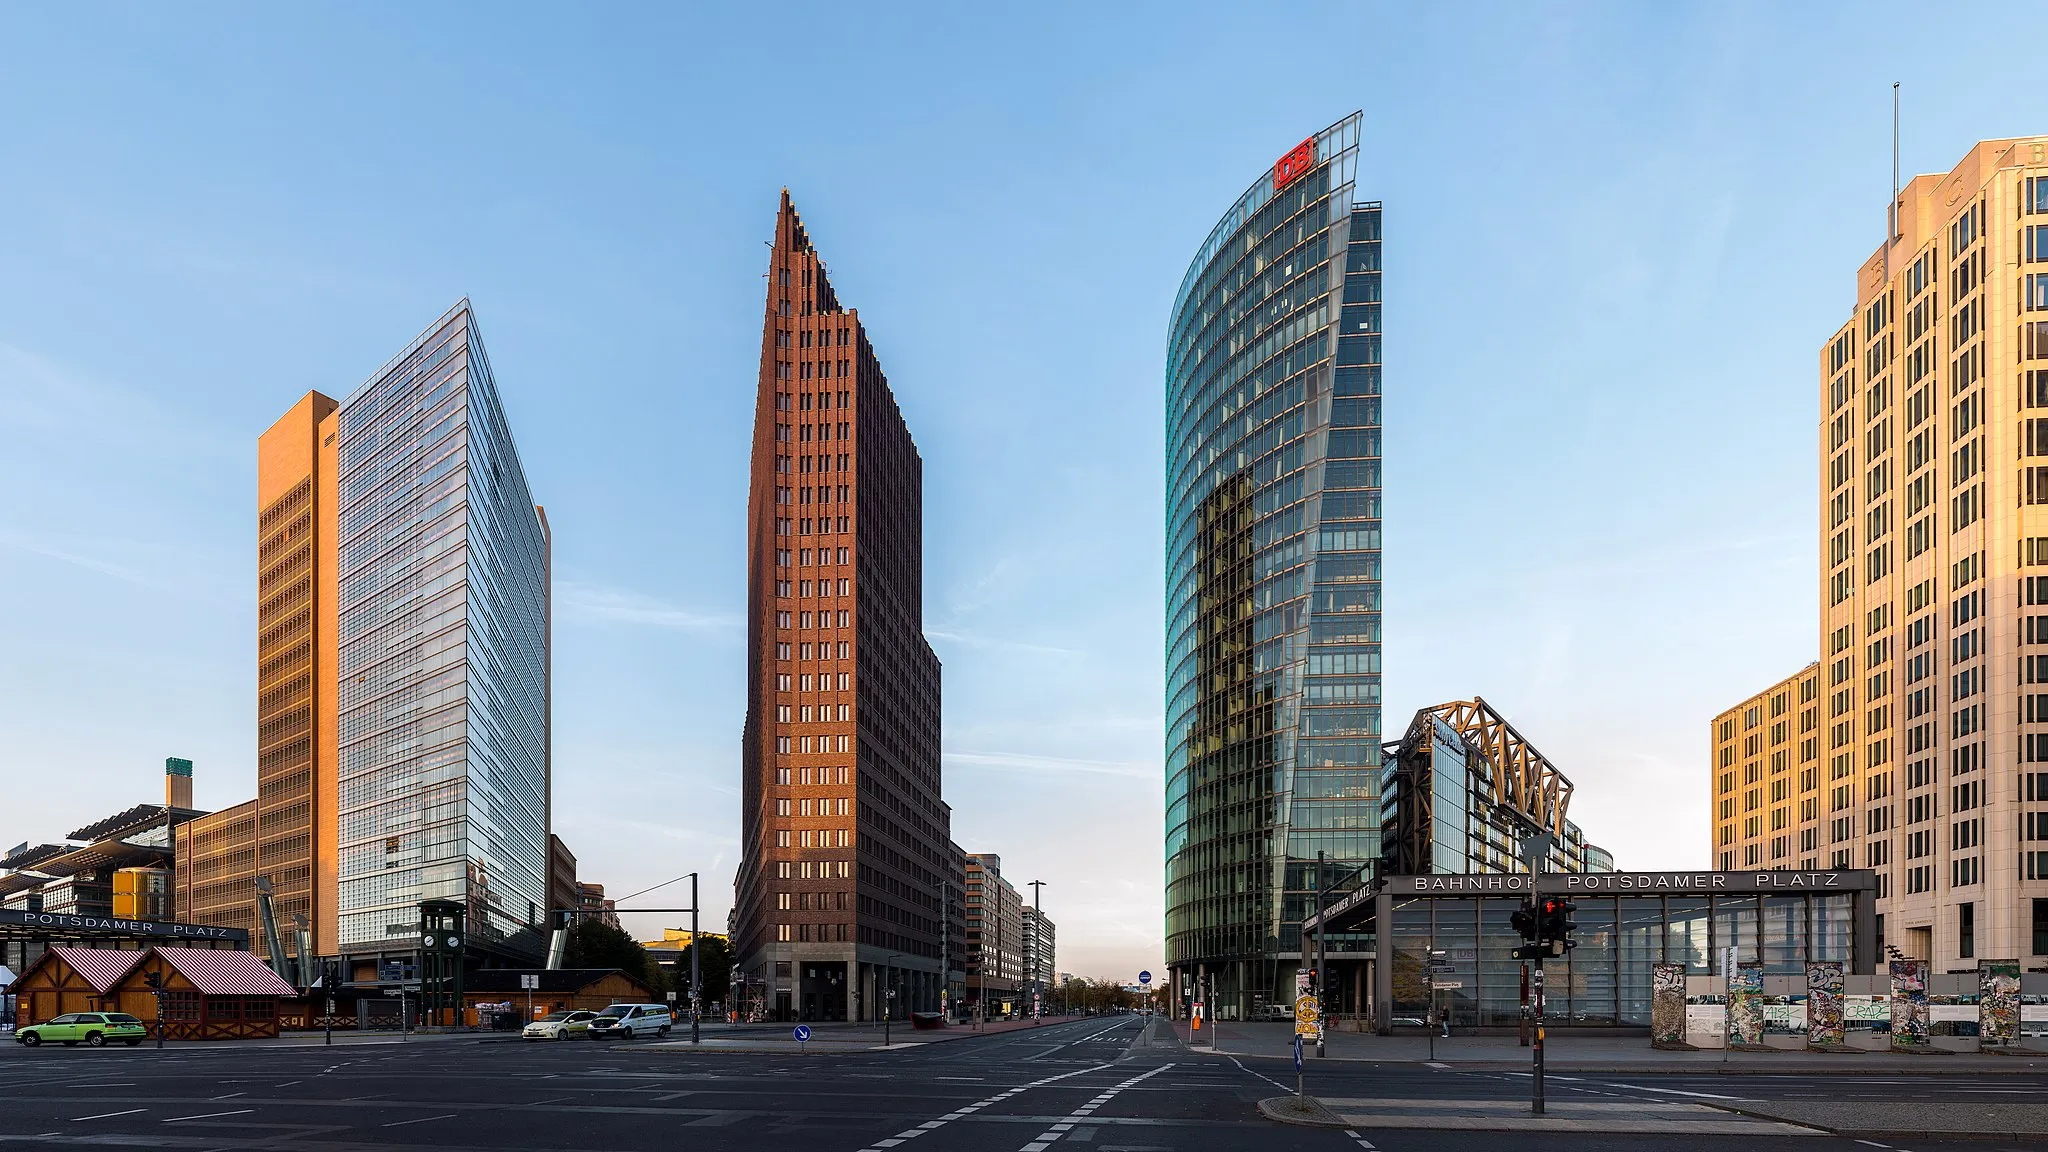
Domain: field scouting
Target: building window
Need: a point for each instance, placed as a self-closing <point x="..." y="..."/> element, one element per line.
<point x="2041" y="927"/>
<point x="1966" y="930"/>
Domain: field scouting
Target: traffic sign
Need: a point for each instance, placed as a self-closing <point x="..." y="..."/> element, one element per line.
<point x="1144" y="977"/>
<point x="1308" y="1015"/>
<point x="1297" y="1051"/>
<point x="1445" y="985"/>
<point x="529" y="981"/>
<point x="802" y="1032"/>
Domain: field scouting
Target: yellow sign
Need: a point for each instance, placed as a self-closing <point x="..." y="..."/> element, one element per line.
<point x="1308" y="1015"/>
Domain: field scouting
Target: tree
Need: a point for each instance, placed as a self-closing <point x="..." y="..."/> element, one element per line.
<point x="715" y="971"/>
<point x="596" y="944"/>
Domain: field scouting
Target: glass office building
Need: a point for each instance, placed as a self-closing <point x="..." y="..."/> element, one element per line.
<point x="442" y="636"/>
<point x="1272" y="572"/>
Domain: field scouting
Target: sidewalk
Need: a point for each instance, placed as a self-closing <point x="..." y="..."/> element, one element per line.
<point x="1564" y="1052"/>
<point x="835" y="1036"/>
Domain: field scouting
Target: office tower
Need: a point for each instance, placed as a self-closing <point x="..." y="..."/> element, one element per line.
<point x="995" y="934"/>
<point x="841" y="888"/>
<point x="442" y="662"/>
<point x="287" y="832"/>
<point x="1932" y="685"/>
<point x="1272" y="571"/>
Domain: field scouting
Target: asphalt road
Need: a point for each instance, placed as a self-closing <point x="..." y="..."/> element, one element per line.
<point x="1102" y="1085"/>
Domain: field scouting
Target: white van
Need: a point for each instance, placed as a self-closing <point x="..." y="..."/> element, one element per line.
<point x="632" y="1021"/>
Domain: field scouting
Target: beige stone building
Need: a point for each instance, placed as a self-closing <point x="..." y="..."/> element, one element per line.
<point x="1767" y="778"/>
<point x="1933" y="677"/>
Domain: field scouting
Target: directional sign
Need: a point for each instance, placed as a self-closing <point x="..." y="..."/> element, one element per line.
<point x="1297" y="1051"/>
<point x="1144" y="977"/>
<point x="802" y="1032"/>
<point x="1445" y="985"/>
<point x="530" y="982"/>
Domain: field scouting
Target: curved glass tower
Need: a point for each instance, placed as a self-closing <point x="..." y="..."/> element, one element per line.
<point x="1273" y="576"/>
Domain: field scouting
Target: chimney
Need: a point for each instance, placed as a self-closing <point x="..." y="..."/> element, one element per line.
<point x="177" y="782"/>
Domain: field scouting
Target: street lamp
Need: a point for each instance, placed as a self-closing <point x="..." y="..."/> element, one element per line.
<point x="889" y="996"/>
<point x="1037" y="949"/>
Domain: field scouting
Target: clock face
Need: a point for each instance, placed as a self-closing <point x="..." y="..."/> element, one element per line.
<point x="455" y="942"/>
<point x="427" y="940"/>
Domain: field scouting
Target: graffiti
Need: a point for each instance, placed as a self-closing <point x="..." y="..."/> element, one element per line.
<point x="1667" y="1004"/>
<point x="1998" y="1002"/>
<point x="1824" y="1003"/>
<point x="1746" y="1004"/>
<point x="1909" y="1004"/>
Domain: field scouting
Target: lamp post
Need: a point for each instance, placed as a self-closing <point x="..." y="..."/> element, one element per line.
<point x="889" y="995"/>
<point x="1037" y="948"/>
<point x="695" y="984"/>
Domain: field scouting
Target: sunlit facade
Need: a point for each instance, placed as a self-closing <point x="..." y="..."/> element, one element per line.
<point x="1272" y="570"/>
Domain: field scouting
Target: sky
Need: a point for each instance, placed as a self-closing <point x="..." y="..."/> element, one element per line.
<point x="1616" y="238"/>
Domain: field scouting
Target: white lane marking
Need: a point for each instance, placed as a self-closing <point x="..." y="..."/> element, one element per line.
<point x="1362" y="1141"/>
<point x="209" y="1115"/>
<point x="1436" y="1064"/>
<point x="1674" y="1091"/>
<point x="229" y="1096"/>
<point x="421" y="1120"/>
<point x="1049" y="1136"/>
<point x="107" y="1115"/>
<point x="1267" y="1079"/>
<point x="963" y="1110"/>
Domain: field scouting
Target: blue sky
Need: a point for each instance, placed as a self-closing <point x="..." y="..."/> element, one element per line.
<point x="1616" y="238"/>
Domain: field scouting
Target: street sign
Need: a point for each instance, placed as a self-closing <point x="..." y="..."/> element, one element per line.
<point x="1297" y="1051"/>
<point x="1308" y="1016"/>
<point x="1444" y="985"/>
<point x="802" y="1032"/>
<point x="530" y="982"/>
<point x="1144" y="977"/>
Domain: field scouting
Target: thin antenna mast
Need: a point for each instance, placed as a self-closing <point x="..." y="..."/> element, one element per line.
<point x="1892" y="221"/>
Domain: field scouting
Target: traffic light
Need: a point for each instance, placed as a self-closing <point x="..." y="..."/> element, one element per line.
<point x="1529" y="928"/>
<point x="1557" y="924"/>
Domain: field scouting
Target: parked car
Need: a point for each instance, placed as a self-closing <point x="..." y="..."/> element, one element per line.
<point x="631" y="1021"/>
<point x="94" y="1028"/>
<point x="559" y="1025"/>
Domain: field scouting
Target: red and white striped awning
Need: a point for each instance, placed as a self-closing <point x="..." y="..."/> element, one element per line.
<point x="101" y="967"/>
<point x="224" y="972"/>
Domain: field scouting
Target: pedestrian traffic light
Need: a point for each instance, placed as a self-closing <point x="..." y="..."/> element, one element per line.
<point x="1557" y="925"/>
<point x="1526" y="925"/>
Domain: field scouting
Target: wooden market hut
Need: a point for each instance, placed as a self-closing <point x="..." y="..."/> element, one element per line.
<point x="65" y="979"/>
<point x="208" y="993"/>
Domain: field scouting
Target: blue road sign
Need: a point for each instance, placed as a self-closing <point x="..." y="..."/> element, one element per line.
<point x="1144" y="977"/>
<point x="1297" y="1051"/>
<point x="803" y="1033"/>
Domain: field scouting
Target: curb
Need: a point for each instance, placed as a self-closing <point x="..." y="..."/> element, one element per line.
<point x="1304" y="1110"/>
<point x="1891" y="1133"/>
<point x="2003" y="1067"/>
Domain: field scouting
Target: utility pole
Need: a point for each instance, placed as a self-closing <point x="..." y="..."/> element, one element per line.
<point x="694" y="966"/>
<point x="1322" y="954"/>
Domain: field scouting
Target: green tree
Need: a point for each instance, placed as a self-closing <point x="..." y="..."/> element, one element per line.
<point x="596" y="944"/>
<point x="715" y="970"/>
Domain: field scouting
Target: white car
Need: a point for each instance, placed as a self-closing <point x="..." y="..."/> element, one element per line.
<point x="559" y="1025"/>
<point x="631" y="1021"/>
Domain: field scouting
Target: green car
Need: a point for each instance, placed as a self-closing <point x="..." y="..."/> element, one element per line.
<point x="95" y="1028"/>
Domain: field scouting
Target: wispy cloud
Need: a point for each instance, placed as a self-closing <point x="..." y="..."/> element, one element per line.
<point x="998" y="644"/>
<point x="607" y="605"/>
<point x="113" y="558"/>
<point x="1026" y="762"/>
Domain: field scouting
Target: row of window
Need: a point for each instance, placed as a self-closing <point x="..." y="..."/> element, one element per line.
<point x="815" y="838"/>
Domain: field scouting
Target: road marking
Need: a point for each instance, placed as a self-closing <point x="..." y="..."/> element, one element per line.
<point x="107" y="1115"/>
<point x="1362" y="1141"/>
<point x="421" y="1120"/>
<point x="1676" y="1092"/>
<point x="287" y="1083"/>
<point x="1436" y="1064"/>
<point x="965" y="1109"/>
<point x="229" y="1096"/>
<point x="1049" y="1136"/>
<point x="1267" y="1079"/>
<point x="209" y="1115"/>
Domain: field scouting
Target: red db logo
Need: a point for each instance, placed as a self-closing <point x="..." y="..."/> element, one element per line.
<point x="1296" y="162"/>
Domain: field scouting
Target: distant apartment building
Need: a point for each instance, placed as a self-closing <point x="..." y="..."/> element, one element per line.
<point x="841" y="891"/>
<point x="995" y="933"/>
<point x="1918" y="746"/>
<point x="402" y="647"/>
<point x="1039" y="947"/>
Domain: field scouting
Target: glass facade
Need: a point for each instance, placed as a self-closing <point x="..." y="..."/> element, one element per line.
<point x="1606" y="979"/>
<point x="442" y="661"/>
<point x="1272" y="570"/>
<point x="1441" y="809"/>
